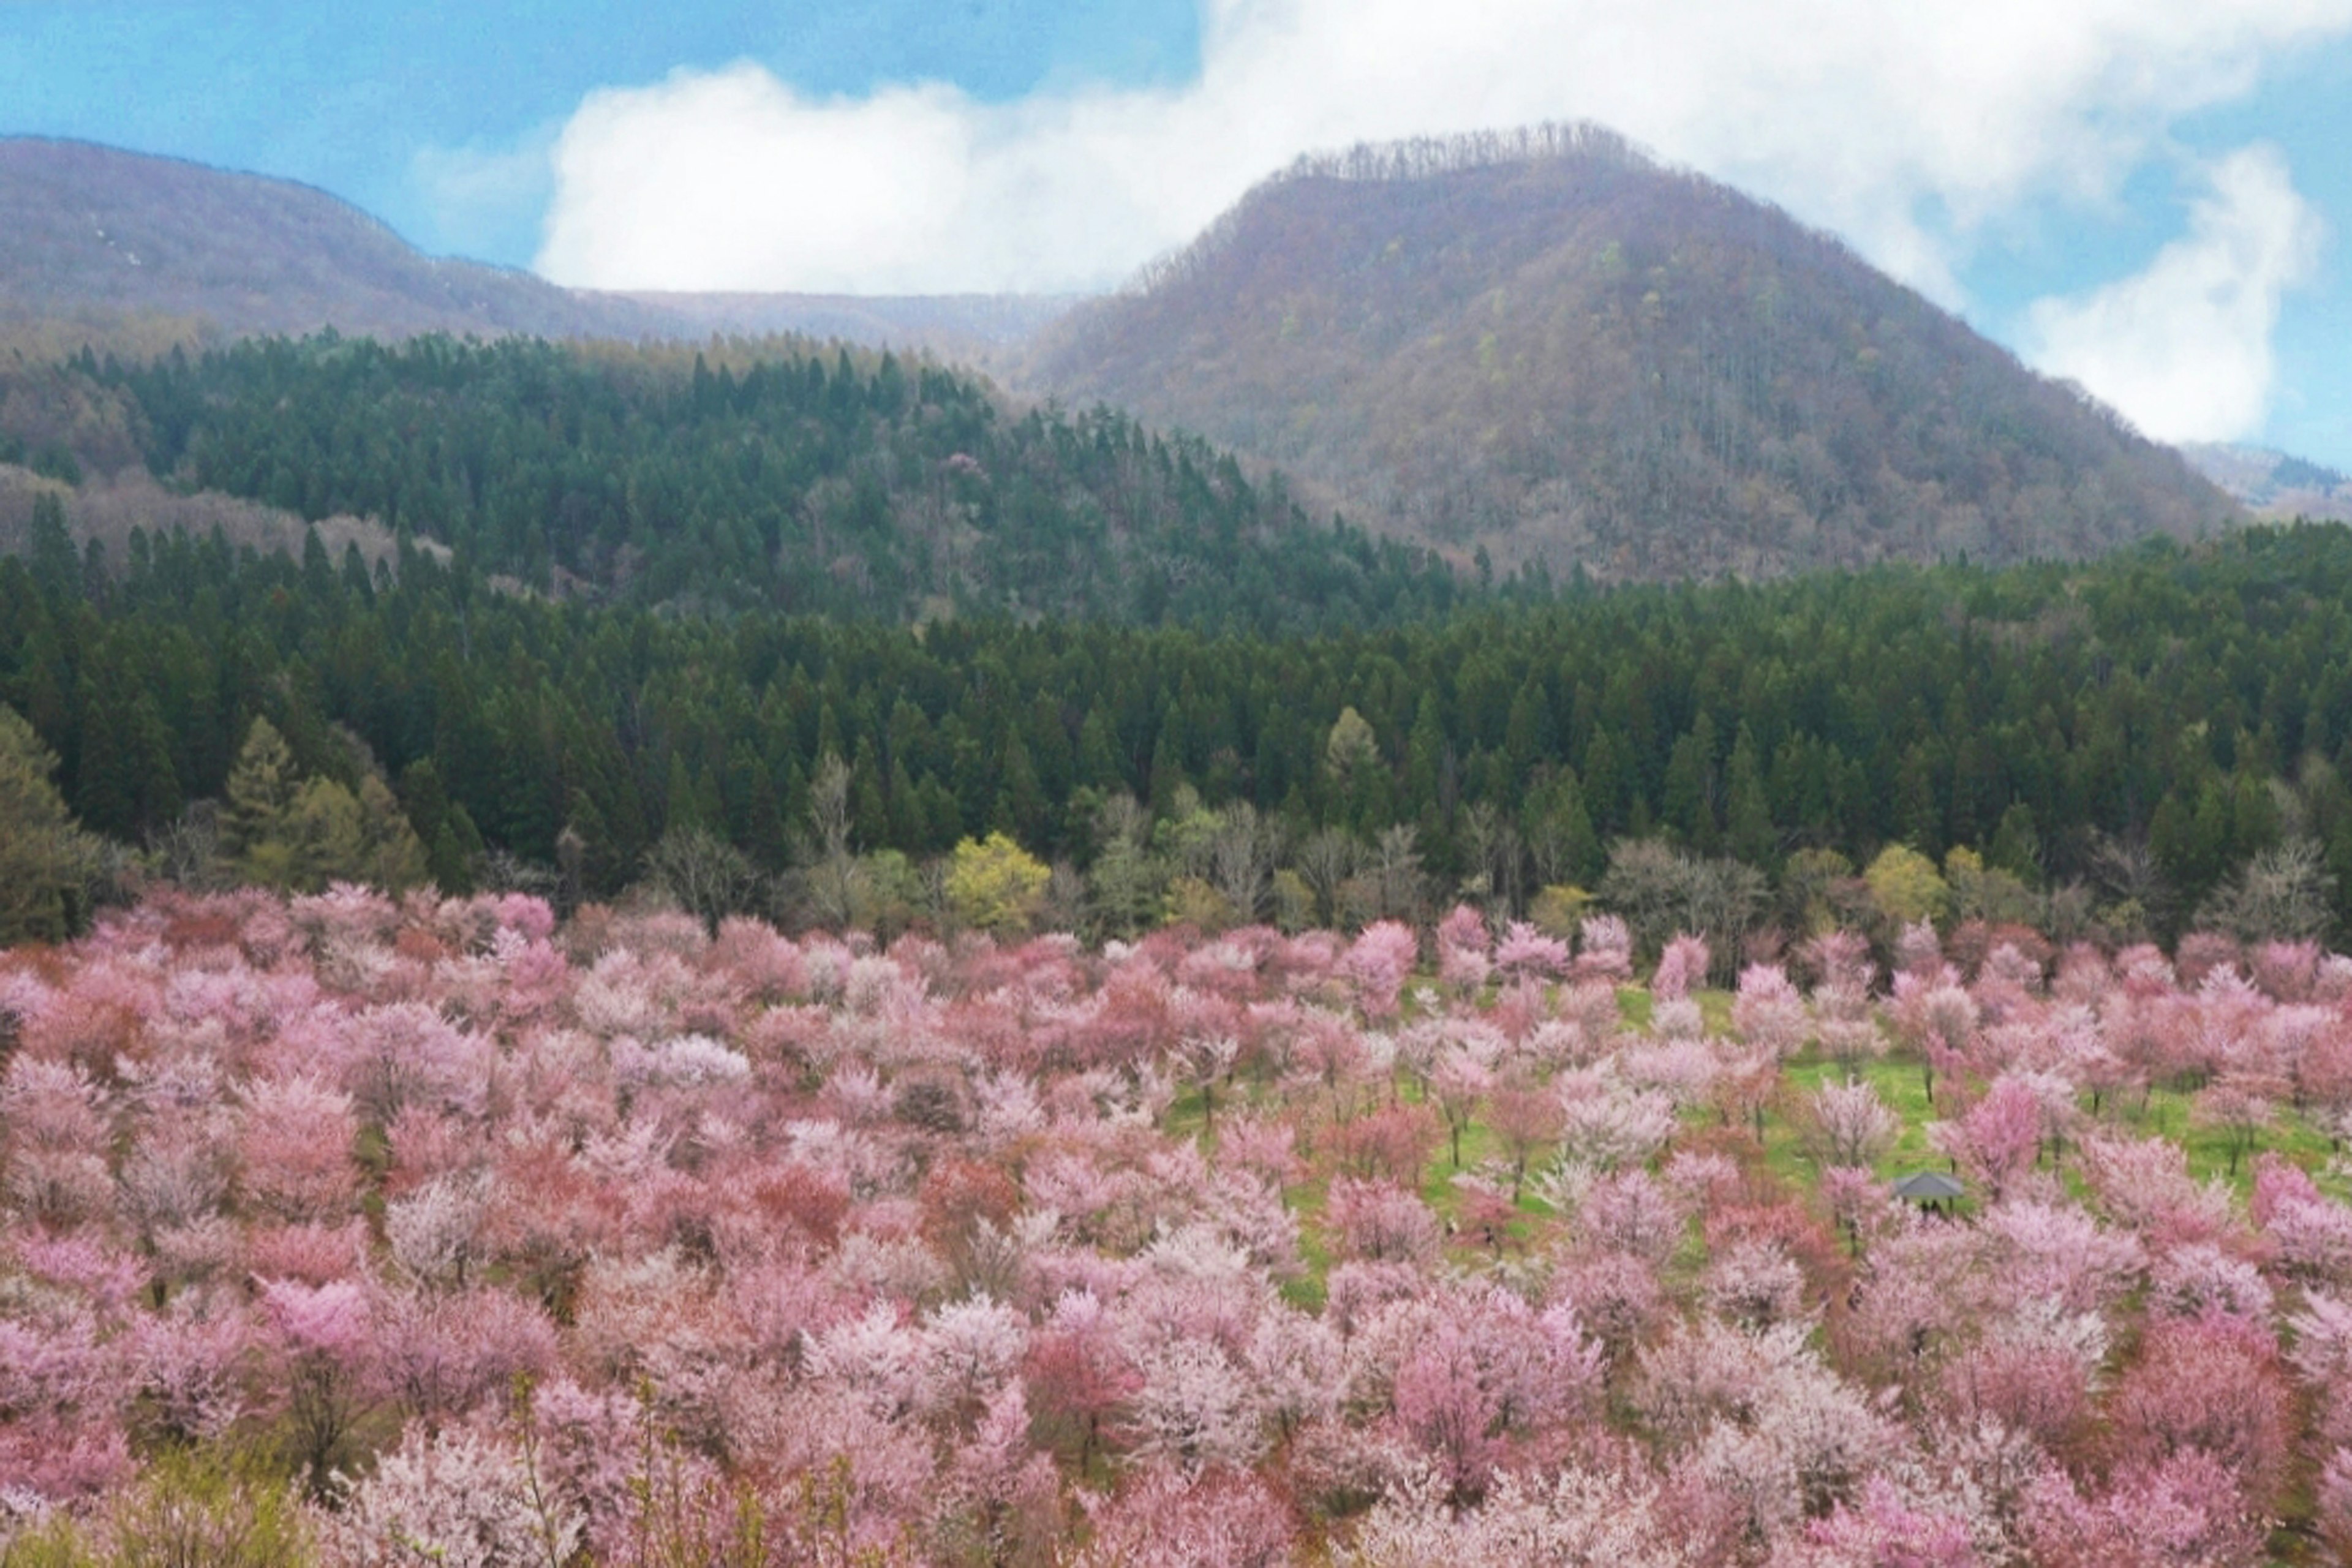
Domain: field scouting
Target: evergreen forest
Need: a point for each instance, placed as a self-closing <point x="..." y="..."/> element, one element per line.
<point x="778" y="477"/>
<point x="2118" y="741"/>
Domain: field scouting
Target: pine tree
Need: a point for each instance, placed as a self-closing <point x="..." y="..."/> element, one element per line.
<point x="1689" y="801"/>
<point x="1559" y="831"/>
<point x="392" y="857"/>
<point x="44" y="858"/>
<point x="1021" y="798"/>
<point x="1099" y="765"/>
<point x="1747" y="830"/>
<point x="255" y="828"/>
<point x="57" y="566"/>
<point x="1527" y="734"/>
<point x="1168" y="762"/>
<point x="325" y="840"/>
<point x="1428" y="766"/>
<point x="2016" y="847"/>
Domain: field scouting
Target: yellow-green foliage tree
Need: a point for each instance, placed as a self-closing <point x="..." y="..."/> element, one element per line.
<point x="44" y="857"/>
<point x="286" y="831"/>
<point x="390" y="854"/>
<point x="1906" y="886"/>
<point x="1988" y="892"/>
<point x="261" y="787"/>
<point x="1558" y="909"/>
<point x="996" y="885"/>
<point x="1195" y="901"/>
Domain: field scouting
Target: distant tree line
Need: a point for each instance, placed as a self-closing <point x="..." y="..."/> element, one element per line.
<point x="2133" y="734"/>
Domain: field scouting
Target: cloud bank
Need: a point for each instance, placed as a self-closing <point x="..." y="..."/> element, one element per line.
<point x="2184" y="347"/>
<point x="1903" y="126"/>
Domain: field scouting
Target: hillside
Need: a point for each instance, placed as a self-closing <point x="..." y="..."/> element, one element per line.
<point x="115" y="240"/>
<point x="135" y="253"/>
<point x="2271" y="483"/>
<point x="971" y="329"/>
<point x="1548" y="345"/>
<point x="767" y="475"/>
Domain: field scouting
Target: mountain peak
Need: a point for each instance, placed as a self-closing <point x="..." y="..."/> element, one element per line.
<point x="1549" y="345"/>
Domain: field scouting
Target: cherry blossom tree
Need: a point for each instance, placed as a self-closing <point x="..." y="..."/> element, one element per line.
<point x="1997" y="1140"/>
<point x="323" y="1342"/>
<point x="1379" y="964"/>
<point x="1767" y="1011"/>
<point x="1848" y="1124"/>
<point x="1464" y="950"/>
<point x="1525" y="952"/>
<point x="1681" y="968"/>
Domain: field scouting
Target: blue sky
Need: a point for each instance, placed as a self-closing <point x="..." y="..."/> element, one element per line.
<point x="2152" y="196"/>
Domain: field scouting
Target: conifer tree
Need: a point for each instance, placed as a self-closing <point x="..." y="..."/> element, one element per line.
<point x="44" y="857"/>
<point x="1747" y="830"/>
<point x="392" y="857"/>
<point x="262" y="785"/>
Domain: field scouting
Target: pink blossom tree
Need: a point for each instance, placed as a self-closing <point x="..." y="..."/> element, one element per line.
<point x="1998" y="1138"/>
<point x="1379" y="964"/>
<point x="1464" y="950"/>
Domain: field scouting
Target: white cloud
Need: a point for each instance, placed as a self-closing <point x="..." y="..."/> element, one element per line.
<point x="1862" y="115"/>
<point x="472" y="194"/>
<point x="2183" y="348"/>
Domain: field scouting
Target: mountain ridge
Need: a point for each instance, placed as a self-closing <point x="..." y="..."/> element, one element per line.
<point x="105" y="235"/>
<point x="138" y="252"/>
<point x="1529" y="347"/>
<point x="2273" y="484"/>
<point x="1546" y="345"/>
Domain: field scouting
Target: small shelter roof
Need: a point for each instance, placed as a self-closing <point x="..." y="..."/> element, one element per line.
<point x="1928" y="1187"/>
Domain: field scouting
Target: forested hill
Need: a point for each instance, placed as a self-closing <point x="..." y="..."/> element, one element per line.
<point x="771" y="476"/>
<point x="1551" y="346"/>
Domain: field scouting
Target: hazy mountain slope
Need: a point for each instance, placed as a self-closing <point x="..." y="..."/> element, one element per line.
<point x="1548" y="345"/>
<point x="2271" y="483"/>
<point x="980" y="329"/>
<point x="103" y="236"/>
<point x="137" y="253"/>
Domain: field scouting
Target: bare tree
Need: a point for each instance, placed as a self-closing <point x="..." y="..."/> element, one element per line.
<point x="1066" y="899"/>
<point x="1644" y="884"/>
<point x="2126" y="873"/>
<point x="504" y="871"/>
<point x="186" y="852"/>
<point x="1241" y="859"/>
<point x="2282" y="894"/>
<point x="1325" y="863"/>
<point x="1723" y="899"/>
<point x="1498" y="859"/>
<point x="832" y="870"/>
<point x="1661" y="891"/>
<point x="1122" y="817"/>
<point x="710" y="877"/>
<point x="1396" y="860"/>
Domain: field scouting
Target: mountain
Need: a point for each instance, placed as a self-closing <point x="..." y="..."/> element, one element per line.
<point x="1546" y="345"/>
<point x="755" y="472"/>
<point x="137" y="253"/>
<point x="114" y="239"/>
<point x="983" y="330"/>
<point x="2271" y="483"/>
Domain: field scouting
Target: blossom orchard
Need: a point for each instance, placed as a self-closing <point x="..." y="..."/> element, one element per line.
<point x="435" y="1230"/>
